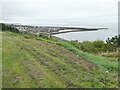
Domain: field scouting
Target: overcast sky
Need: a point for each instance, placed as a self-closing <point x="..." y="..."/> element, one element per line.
<point x="84" y="13"/>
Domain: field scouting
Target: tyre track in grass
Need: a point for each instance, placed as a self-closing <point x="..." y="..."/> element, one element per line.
<point x="47" y="62"/>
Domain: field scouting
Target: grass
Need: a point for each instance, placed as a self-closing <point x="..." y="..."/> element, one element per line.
<point x="30" y="62"/>
<point x="109" y="64"/>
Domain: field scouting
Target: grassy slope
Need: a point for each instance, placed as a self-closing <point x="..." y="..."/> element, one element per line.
<point x="49" y="63"/>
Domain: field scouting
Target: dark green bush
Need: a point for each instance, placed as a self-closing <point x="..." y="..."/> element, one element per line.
<point x="9" y="28"/>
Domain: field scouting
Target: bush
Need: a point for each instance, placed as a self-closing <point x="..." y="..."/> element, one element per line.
<point x="97" y="46"/>
<point x="9" y="28"/>
<point x="87" y="46"/>
<point x="76" y="44"/>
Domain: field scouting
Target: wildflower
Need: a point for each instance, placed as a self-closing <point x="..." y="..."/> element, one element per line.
<point x="106" y="72"/>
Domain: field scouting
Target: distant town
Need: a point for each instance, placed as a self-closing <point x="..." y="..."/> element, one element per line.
<point x="50" y="30"/>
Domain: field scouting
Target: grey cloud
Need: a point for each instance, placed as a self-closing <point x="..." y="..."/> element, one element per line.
<point x="57" y="10"/>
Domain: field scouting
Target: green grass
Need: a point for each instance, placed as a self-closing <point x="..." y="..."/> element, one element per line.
<point x="110" y="64"/>
<point x="30" y="62"/>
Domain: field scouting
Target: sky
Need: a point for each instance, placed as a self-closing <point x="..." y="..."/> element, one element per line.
<point x="83" y="13"/>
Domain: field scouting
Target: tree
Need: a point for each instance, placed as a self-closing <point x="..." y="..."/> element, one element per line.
<point x="9" y="28"/>
<point x="114" y="43"/>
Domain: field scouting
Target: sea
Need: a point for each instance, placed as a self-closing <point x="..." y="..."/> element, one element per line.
<point x="92" y="35"/>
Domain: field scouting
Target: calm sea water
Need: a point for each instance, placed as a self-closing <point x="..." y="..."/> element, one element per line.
<point x="92" y="35"/>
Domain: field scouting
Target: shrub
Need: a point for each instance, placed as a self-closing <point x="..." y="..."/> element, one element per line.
<point x="9" y="28"/>
<point x="87" y="46"/>
<point x="99" y="46"/>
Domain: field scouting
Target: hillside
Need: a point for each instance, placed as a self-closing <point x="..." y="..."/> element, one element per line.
<point x="36" y="62"/>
